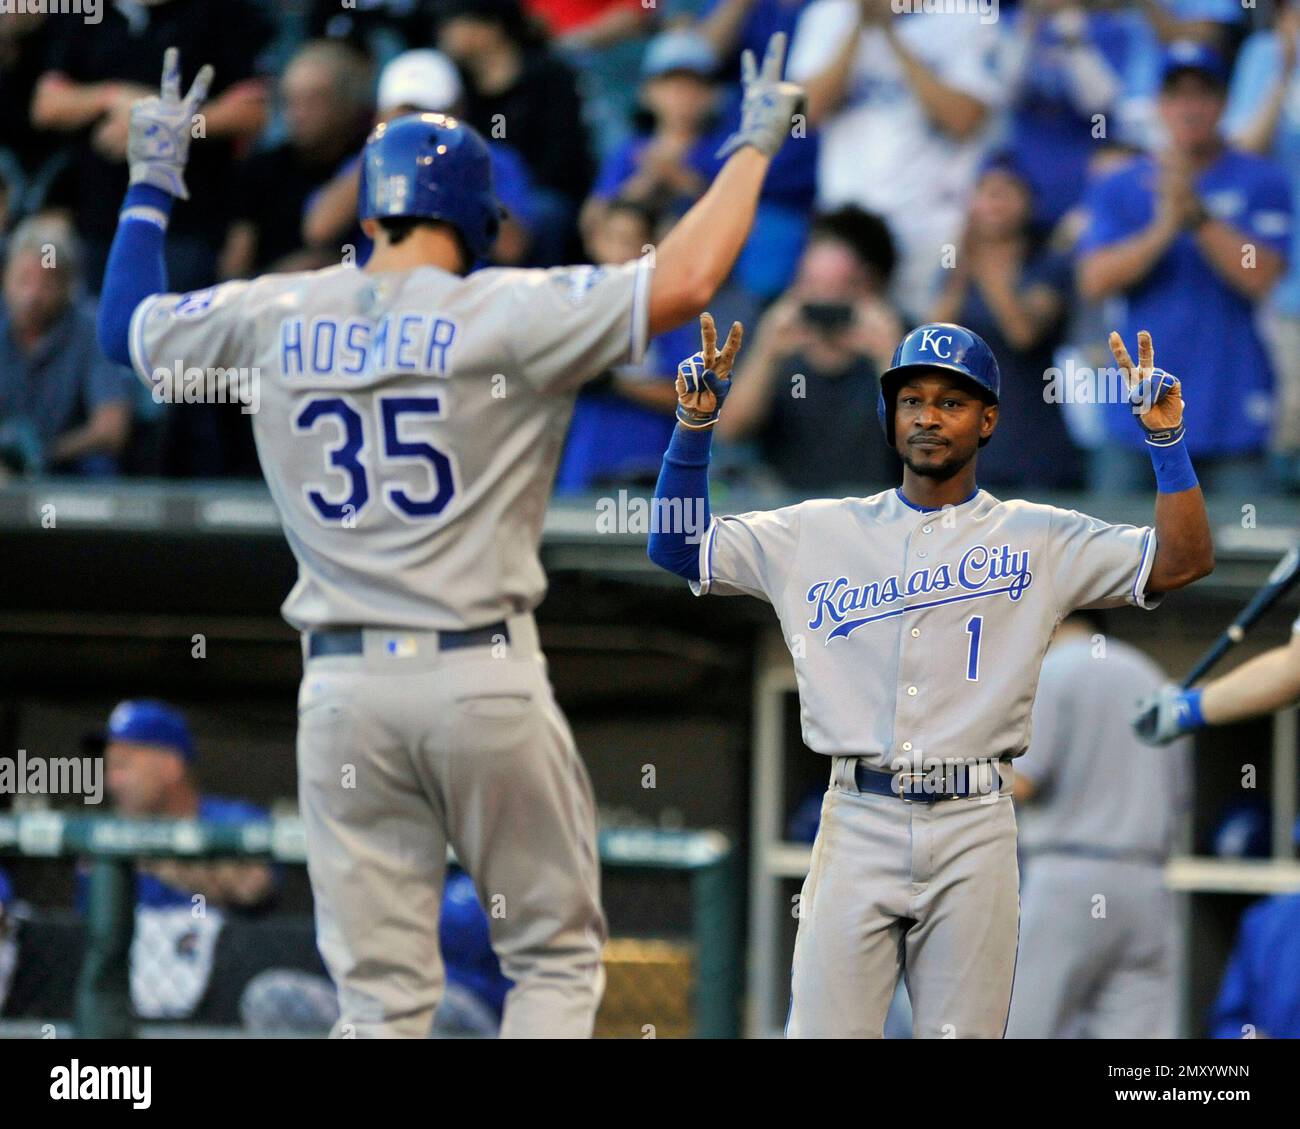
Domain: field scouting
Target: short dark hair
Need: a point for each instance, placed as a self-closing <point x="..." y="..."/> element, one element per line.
<point x="398" y="228"/>
<point x="864" y="233"/>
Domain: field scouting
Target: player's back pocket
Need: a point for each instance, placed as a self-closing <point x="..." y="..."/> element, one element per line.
<point x="495" y="706"/>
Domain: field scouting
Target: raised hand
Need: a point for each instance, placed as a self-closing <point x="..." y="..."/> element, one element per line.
<point x="1158" y="394"/>
<point x="768" y="103"/>
<point x="1176" y="200"/>
<point x="704" y="379"/>
<point x="720" y="363"/>
<point x="159" y="142"/>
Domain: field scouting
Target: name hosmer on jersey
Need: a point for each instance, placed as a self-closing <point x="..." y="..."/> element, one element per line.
<point x="396" y="342"/>
<point x="980" y="567"/>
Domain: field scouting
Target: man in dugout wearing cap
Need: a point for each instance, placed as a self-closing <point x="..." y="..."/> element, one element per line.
<point x="149" y="757"/>
<point x="180" y="906"/>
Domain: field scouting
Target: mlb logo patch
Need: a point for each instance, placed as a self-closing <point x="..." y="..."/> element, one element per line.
<point x="401" y="646"/>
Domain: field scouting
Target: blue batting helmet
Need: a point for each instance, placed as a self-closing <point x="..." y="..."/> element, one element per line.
<point x="433" y="167"/>
<point x="939" y="345"/>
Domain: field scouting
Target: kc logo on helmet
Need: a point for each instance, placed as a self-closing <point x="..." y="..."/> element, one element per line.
<point x="933" y="342"/>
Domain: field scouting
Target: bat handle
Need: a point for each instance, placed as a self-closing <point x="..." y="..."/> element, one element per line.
<point x="1212" y="656"/>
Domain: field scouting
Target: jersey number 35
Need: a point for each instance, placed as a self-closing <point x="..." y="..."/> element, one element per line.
<point x="348" y="458"/>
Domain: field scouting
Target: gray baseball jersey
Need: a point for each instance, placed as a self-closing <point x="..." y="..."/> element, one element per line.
<point x="920" y="634"/>
<point x="917" y="638"/>
<point x="1103" y="818"/>
<point x="422" y="410"/>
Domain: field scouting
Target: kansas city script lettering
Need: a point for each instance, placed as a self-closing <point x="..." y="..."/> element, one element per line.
<point x="982" y="571"/>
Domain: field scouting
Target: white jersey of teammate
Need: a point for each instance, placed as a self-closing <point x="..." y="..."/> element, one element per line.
<point x="918" y="635"/>
<point x="409" y="424"/>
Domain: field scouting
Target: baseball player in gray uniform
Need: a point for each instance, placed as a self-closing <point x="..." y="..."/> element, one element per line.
<point x="917" y="620"/>
<point x="409" y="420"/>
<point x="1099" y="816"/>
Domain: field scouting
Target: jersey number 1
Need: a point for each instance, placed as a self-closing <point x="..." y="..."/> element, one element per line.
<point x="973" y="627"/>
<point x="347" y="457"/>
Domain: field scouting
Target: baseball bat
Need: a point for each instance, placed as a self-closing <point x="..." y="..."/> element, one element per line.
<point x="1285" y="575"/>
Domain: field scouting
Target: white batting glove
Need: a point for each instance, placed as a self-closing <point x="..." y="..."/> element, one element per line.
<point x="768" y="103"/>
<point x="1167" y="715"/>
<point x="159" y="141"/>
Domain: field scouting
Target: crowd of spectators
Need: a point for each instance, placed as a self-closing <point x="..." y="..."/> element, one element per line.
<point x="1039" y="170"/>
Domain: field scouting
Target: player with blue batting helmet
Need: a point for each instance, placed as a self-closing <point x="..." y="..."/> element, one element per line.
<point x="435" y="167"/>
<point x="939" y="345"/>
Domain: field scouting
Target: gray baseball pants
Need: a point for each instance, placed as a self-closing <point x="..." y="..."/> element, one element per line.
<point x="407" y="748"/>
<point x="1097" y="941"/>
<point x="925" y="890"/>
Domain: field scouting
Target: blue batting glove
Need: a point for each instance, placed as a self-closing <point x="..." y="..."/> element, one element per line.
<point x="698" y="388"/>
<point x="1149" y="392"/>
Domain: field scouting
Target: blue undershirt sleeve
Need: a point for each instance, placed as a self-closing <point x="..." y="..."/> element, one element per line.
<point x="136" y="267"/>
<point x="685" y="475"/>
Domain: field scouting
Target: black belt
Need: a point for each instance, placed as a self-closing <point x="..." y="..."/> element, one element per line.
<point x="1102" y="854"/>
<point x="919" y="787"/>
<point x="351" y="641"/>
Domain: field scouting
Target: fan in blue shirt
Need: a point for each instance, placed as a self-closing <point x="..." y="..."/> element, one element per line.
<point x="1191" y="242"/>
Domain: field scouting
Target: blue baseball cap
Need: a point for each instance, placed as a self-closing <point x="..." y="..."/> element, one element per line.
<point x="146" y="721"/>
<point x="1186" y="55"/>
<point x="6" y="889"/>
<point x="682" y="50"/>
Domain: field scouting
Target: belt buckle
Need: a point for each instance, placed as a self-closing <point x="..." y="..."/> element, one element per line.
<point x="905" y="795"/>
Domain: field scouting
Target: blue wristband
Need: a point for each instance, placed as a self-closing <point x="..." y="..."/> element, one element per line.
<point x="144" y="201"/>
<point x="689" y="446"/>
<point x="1173" y="467"/>
<point x="1194" y="719"/>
